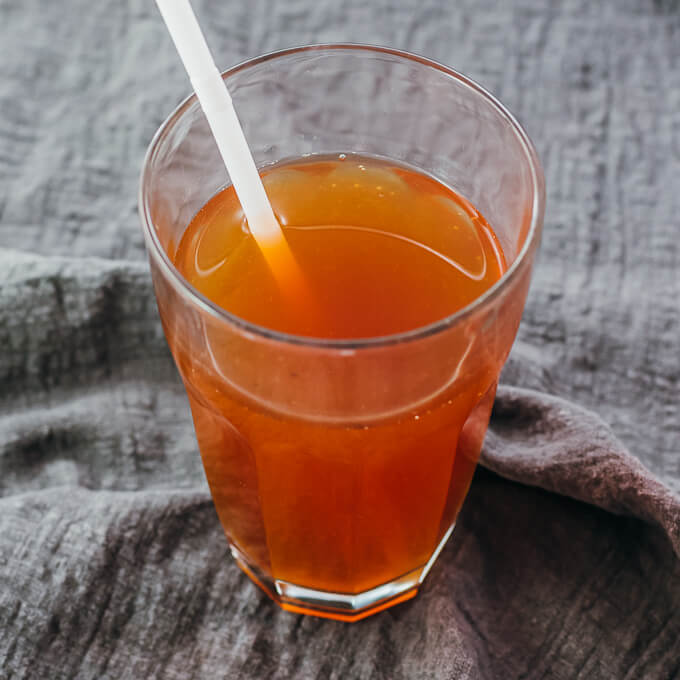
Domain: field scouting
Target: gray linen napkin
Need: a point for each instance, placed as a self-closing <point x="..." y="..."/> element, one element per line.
<point x="112" y="561"/>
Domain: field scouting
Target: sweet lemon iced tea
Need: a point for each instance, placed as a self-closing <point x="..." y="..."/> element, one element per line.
<point x="341" y="507"/>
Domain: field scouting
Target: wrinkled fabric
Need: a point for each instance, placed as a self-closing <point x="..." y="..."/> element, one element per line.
<point x="564" y="561"/>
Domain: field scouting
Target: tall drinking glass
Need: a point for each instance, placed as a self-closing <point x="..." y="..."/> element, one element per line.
<point x="338" y="467"/>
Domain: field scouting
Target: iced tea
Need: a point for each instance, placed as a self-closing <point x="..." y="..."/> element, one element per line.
<point x="341" y="507"/>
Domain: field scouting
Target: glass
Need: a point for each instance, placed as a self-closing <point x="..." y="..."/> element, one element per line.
<point x="338" y="467"/>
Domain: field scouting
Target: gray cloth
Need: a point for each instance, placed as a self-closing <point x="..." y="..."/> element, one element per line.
<point x="112" y="561"/>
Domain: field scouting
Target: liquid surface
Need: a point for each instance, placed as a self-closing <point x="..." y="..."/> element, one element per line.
<point x="382" y="249"/>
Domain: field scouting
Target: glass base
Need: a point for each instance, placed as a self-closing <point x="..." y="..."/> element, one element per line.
<point x="339" y="606"/>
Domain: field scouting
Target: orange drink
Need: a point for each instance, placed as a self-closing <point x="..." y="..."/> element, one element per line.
<point x="340" y="419"/>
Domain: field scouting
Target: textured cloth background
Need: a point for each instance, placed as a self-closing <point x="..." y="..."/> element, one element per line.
<point x="112" y="561"/>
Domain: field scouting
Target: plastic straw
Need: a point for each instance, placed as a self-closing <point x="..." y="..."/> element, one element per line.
<point x="218" y="107"/>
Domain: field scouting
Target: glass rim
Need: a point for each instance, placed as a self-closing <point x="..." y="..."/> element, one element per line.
<point x="156" y="250"/>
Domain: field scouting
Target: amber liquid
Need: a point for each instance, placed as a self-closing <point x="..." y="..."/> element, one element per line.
<point x="383" y="249"/>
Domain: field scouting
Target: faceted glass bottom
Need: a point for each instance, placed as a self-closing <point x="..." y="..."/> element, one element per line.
<point x="339" y="606"/>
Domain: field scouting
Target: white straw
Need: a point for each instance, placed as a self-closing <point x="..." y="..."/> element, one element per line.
<point x="216" y="103"/>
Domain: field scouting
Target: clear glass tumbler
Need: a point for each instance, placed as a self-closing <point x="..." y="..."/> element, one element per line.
<point x="338" y="467"/>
